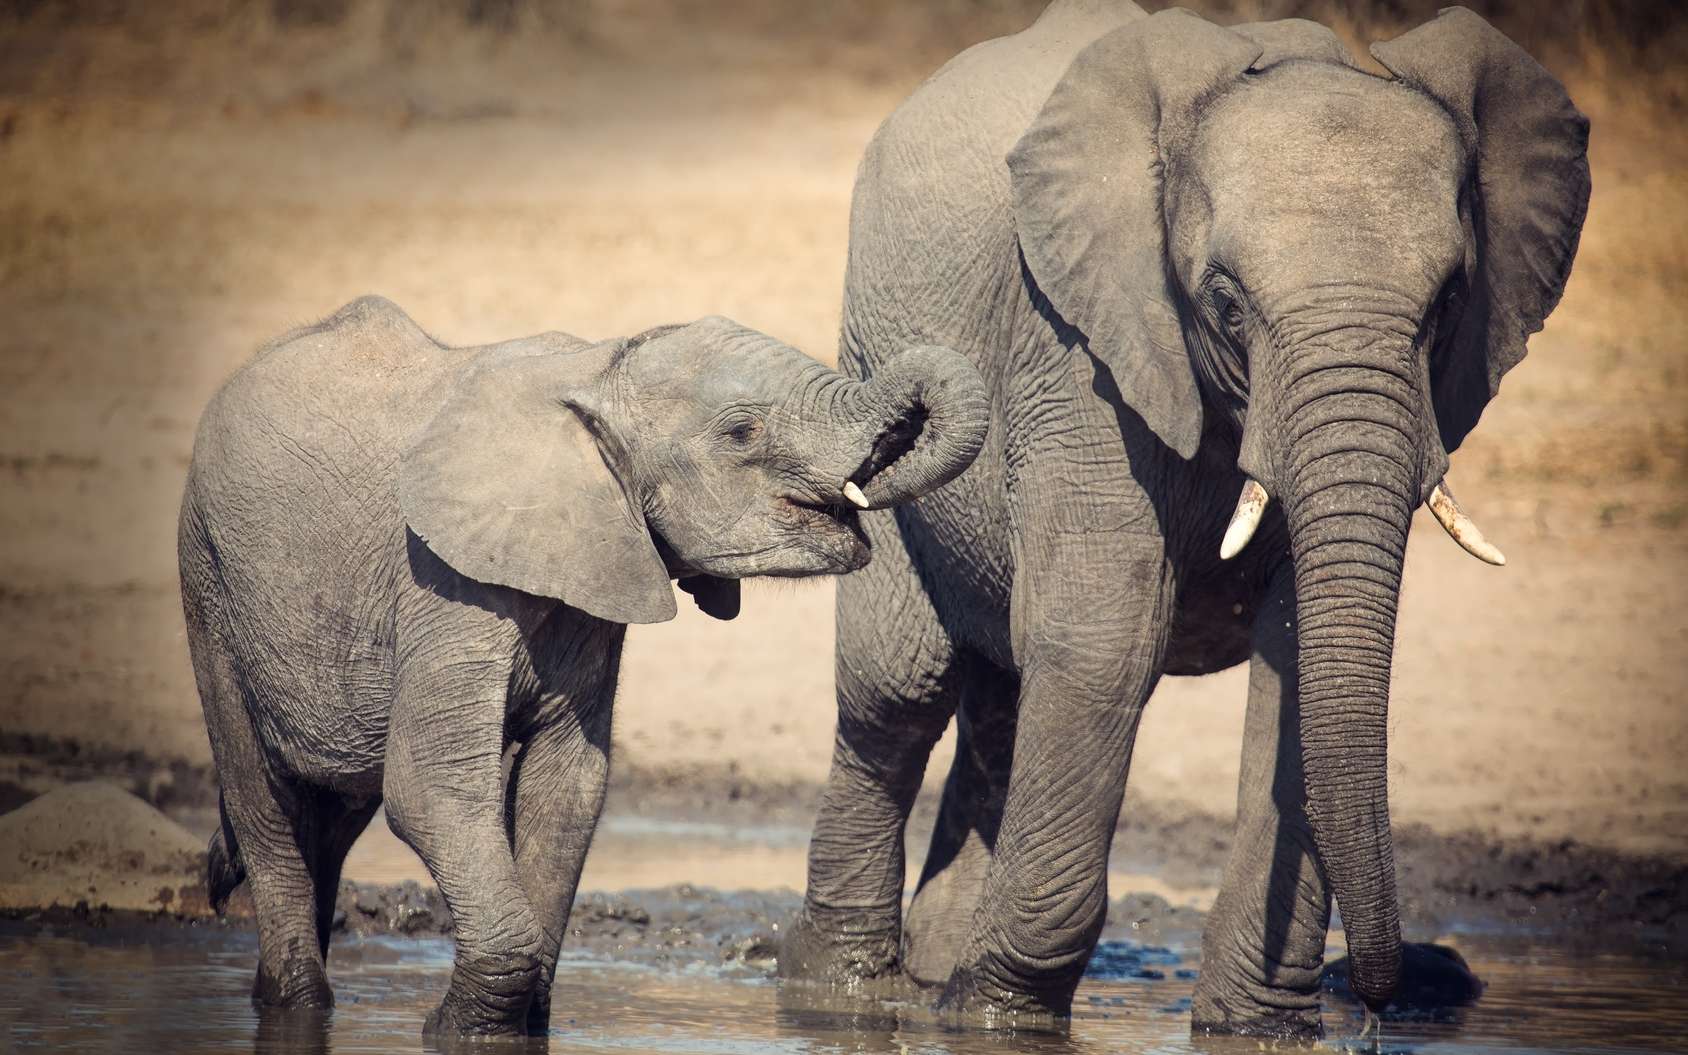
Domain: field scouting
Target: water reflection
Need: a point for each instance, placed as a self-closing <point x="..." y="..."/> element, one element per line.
<point x="168" y="990"/>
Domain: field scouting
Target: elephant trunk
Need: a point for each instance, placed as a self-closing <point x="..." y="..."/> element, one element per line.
<point x="915" y="426"/>
<point x="1350" y="482"/>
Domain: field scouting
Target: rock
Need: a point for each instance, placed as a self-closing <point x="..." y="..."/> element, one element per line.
<point x="97" y="844"/>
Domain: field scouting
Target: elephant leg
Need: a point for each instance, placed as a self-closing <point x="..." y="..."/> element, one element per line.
<point x="940" y="917"/>
<point x="444" y="792"/>
<point x="276" y="840"/>
<point x="1264" y="945"/>
<point x="1090" y="615"/>
<point x="896" y="691"/>
<point x="263" y="810"/>
<point x="556" y="792"/>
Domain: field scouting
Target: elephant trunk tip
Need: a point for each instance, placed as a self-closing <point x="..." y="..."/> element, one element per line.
<point x="1375" y="979"/>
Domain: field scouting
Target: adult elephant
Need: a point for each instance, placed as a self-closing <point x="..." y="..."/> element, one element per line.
<point x="1192" y="263"/>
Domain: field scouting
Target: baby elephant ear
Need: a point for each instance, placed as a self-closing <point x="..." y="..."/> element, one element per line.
<point x="509" y="483"/>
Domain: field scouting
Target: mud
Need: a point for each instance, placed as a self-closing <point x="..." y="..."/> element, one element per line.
<point x="1585" y="897"/>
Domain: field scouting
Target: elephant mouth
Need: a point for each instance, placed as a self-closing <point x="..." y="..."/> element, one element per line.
<point x="833" y="529"/>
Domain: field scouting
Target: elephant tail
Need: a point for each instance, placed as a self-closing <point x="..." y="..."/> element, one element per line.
<point x="223" y="868"/>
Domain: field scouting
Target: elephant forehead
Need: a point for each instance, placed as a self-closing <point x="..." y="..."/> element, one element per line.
<point x="1333" y="163"/>
<point x="708" y="366"/>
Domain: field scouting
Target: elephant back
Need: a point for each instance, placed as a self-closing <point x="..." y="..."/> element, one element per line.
<point x="931" y="222"/>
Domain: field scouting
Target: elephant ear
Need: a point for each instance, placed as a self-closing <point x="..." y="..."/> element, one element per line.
<point x="1087" y="180"/>
<point x="1529" y="147"/>
<point x="514" y="482"/>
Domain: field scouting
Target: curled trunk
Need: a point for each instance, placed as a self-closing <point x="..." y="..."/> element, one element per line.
<point x="1349" y="491"/>
<point x="911" y="428"/>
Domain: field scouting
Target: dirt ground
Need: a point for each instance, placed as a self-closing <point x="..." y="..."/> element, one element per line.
<point x="171" y="195"/>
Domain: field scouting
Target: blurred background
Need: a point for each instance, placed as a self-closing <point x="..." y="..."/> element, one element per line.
<point x="181" y="181"/>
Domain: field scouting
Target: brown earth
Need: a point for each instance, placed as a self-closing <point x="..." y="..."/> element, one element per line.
<point x="174" y="192"/>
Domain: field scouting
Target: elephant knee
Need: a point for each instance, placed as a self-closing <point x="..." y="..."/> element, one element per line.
<point x="890" y="713"/>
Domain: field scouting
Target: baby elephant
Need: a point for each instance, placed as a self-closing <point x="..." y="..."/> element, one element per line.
<point x="402" y="562"/>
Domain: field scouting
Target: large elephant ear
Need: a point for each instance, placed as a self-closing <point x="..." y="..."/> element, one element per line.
<point x="1087" y="190"/>
<point x="1529" y="147"/>
<point x="512" y="483"/>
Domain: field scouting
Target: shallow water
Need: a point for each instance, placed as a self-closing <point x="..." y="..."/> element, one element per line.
<point x="159" y="989"/>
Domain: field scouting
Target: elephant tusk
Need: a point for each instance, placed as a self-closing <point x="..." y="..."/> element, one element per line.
<point x="1461" y="528"/>
<point x="1250" y="505"/>
<point x="854" y="494"/>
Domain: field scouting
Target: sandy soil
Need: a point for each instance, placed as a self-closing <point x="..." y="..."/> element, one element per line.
<point x="160" y="218"/>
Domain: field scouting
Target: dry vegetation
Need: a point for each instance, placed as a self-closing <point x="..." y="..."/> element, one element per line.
<point x="178" y="183"/>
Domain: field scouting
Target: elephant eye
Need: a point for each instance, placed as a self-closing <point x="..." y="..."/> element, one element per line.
<point x="1445" y="318"/>
<point x="1230" y="312"/>
<point x="743" y="431"/>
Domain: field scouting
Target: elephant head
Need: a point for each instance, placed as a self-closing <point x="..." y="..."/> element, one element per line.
<point x="594" y="474"/>
<point x="1338" y="268"/>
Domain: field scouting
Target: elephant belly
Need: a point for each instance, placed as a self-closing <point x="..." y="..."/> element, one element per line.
<point x="326" y="724"/>
<point x="1212" y="628"/>
<point x="958" y="539"/>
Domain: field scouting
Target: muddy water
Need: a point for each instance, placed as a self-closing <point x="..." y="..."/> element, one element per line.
<point x="156" y="989"/>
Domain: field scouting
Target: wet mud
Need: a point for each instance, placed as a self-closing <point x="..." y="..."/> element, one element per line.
<point x="1588" y="898"/>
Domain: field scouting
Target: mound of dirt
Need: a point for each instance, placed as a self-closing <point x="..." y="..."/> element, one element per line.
<point x="96" y="845"/>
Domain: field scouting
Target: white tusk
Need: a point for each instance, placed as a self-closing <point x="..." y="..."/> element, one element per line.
<point x="1461" y="528"/>
<point x="1250" y="505"/>
<point x="854" y="494"/>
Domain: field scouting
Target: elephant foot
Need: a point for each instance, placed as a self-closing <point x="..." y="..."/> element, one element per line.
<point x="1211" y="1017"/>
<point x="1233" y="999"/>
<point x="845" y="950"/>
<point x="932" y="946"/>
<point x="971" y="999"/>
<point x="457" y="1018"/>
<point x="297" y="986"/>
<point x="489" y="996"/>
<point x="539" y="1015"/>
<point x="940" y="918"/>
<point x="1433" y="977"/>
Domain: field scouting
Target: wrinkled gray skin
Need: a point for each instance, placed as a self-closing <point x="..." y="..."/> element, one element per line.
<point x="403" y="563"/>
<point x="1179" y="254"/>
